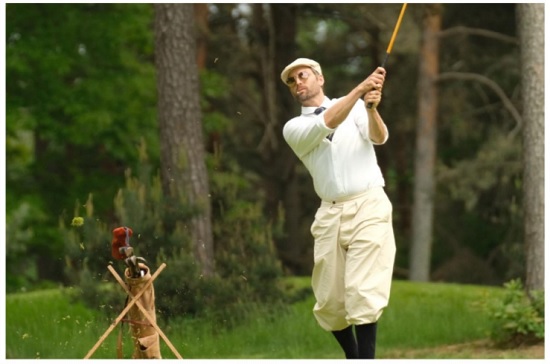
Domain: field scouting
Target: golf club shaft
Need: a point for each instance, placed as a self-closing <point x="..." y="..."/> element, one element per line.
<point x="392" y="40"/>
<point x="396" y="29"/>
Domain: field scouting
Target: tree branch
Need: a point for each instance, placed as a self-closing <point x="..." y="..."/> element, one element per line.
<point x="477" y="31"/>
<point x="493" y="86"/>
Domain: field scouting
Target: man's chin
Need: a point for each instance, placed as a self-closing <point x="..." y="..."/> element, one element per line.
<point x="301" y="97"/>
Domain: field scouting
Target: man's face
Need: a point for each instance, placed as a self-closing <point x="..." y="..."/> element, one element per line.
<point x="304" y="84"/>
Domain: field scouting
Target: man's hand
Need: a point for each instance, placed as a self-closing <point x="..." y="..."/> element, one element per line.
<point x="375" y="81"/>
<point x="373" y="98"/>
<point x="372" y="87"/>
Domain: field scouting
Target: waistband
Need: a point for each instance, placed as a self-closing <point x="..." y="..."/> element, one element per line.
<point x="351" y="197"/>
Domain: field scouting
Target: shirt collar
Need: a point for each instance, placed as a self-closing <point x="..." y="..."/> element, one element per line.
<point x="309" y="110"/>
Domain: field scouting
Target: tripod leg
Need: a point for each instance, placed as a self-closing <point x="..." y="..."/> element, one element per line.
<point x="126" y="309"/>
<point x="152" y="321"/>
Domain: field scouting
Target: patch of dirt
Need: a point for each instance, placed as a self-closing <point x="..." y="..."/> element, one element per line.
<point x="482" y="349"/>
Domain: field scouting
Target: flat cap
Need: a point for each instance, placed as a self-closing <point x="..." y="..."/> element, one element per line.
<point x="300" y="62"/>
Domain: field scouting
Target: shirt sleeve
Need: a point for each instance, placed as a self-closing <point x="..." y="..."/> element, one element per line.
<point x="304" y="133"/>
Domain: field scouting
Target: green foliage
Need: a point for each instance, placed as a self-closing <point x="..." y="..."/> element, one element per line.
<point x="246" y="262"/>
<point x="485" y="192"/>
<point x="20" y="269"/>
<point x="86" y="244"/>
<point x="23" y="245"/>
<point x="479" y="158"/>
<point x="80" y="94"/>
<point x="518" y="317"/>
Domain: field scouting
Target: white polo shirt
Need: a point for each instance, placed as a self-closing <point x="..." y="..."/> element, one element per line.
<point x="340" y="168"/>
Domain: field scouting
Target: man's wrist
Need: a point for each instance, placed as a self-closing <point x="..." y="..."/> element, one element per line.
<point x="370" y="106"/>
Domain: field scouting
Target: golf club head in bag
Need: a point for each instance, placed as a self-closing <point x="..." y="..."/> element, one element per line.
<point x="121" y="250"/>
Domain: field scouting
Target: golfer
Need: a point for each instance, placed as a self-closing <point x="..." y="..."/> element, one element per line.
<point x="354" y="243"/>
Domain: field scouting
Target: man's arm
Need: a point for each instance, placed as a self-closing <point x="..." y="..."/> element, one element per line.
<point x="338" y="112"/>
<point x="378" y="132"/>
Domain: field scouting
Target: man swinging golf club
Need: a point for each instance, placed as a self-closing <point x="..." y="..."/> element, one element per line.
<point x="354" y="248"/>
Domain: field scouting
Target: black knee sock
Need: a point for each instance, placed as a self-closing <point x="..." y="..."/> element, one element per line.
<point x="366" y="340"/>
<point x="346" y="339"/>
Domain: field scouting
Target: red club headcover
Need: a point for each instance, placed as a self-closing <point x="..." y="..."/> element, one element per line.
<point x="121" y="238"/>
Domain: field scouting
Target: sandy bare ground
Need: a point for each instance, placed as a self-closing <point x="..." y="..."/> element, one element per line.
<point x="482" y="349"/>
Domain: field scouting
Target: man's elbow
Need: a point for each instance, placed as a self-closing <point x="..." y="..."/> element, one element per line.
<point x="379" y="139"/>
<point x="379" y="135"/>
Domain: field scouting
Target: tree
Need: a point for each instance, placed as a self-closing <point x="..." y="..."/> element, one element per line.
<point x="477" y="163"/>
<point x="79" y="99"/>
<point x="478" y="212"/>
<point x="530" y="19"/>
<point x="275" y="28"/>
<point x="425" y="155"/>
<point x="183" y="169"/>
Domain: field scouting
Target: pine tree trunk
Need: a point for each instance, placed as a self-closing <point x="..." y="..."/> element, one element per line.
<point x="531" y="32"/>
<point x="425" y="155"/>
<point x="183" y="169"/>
<point x="275" y="29"/>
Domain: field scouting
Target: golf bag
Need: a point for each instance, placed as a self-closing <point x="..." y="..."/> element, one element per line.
<point x="137" y="275"/>
<point x="144" y="336"/>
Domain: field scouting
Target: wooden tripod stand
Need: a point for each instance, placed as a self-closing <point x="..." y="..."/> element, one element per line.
<point x="134" y="300"/>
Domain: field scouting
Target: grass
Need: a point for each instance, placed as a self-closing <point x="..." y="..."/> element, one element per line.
<point x="44" y="325"/>
<point x="423" y="320"/>
<point x="430" y="314"/>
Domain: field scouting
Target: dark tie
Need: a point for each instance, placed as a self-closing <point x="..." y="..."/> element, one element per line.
<point x="317" y="112"/>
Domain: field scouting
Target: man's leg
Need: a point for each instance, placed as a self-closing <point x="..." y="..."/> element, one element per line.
<point x="327" y="279"/>
<point x="347" y="341"/>
<point x="366" y="340"/>
<point x="369" y="267"/>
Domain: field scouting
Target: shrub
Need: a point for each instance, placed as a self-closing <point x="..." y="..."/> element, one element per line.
<point x="518" y="317"/>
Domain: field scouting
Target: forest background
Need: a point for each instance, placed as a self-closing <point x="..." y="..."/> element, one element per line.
<point x="88" y="124"/>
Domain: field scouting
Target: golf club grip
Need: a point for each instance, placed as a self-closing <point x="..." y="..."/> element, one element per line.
<point x="369" y="105"/>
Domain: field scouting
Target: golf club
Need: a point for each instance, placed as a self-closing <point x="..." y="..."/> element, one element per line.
<point x="392" y="40"/>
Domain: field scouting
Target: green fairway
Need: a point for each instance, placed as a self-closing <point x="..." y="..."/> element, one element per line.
<point x="45" y="325"/>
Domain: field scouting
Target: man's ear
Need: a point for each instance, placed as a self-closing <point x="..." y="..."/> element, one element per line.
<point x="321" y="80"/>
